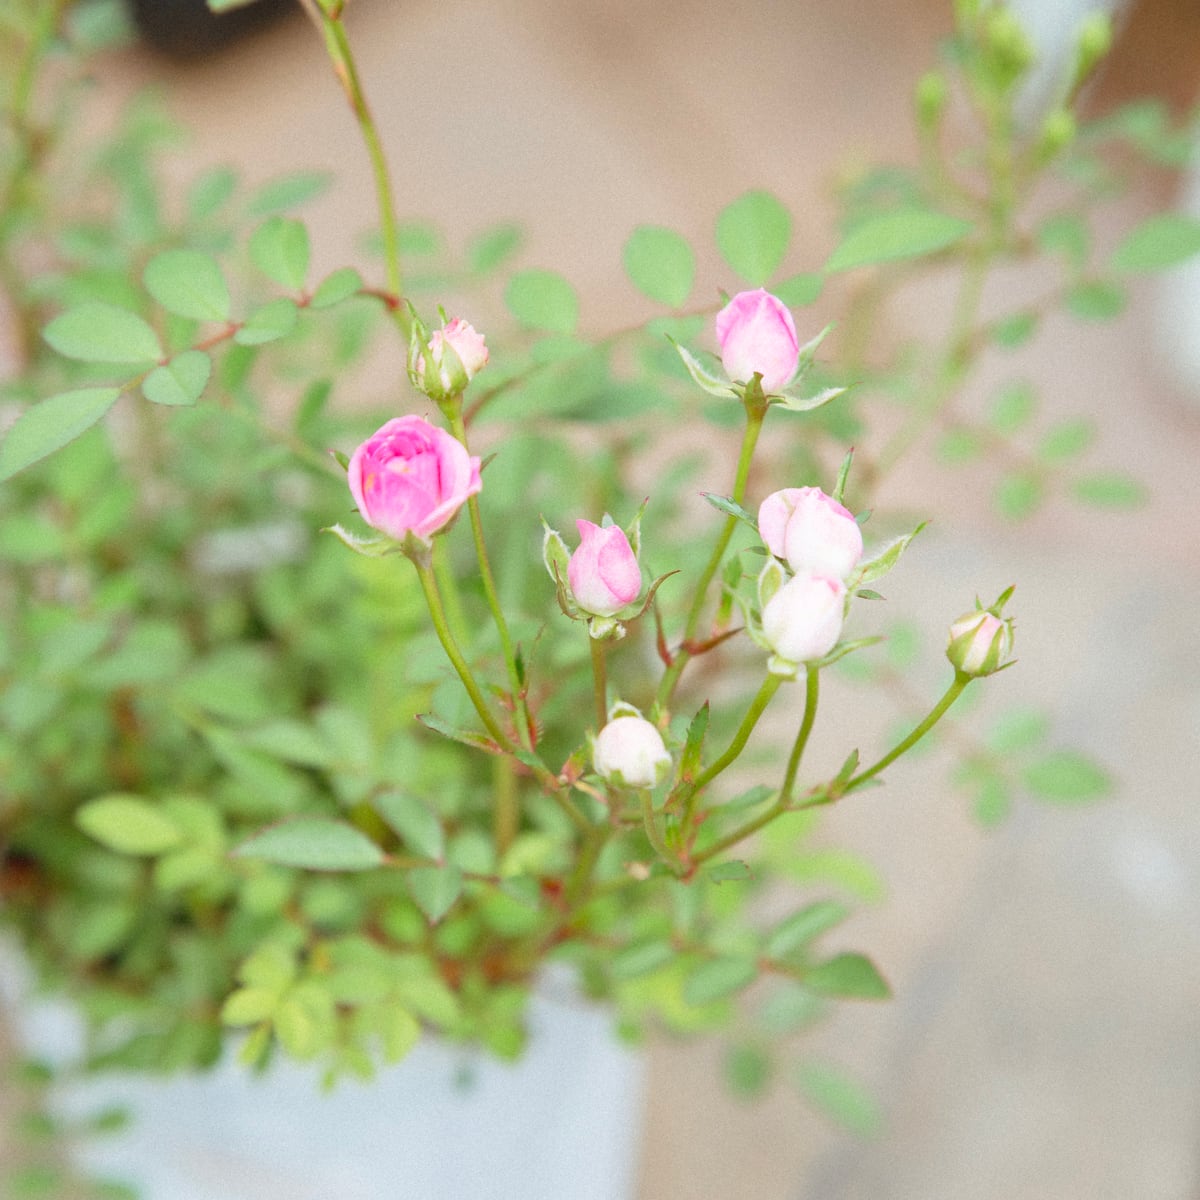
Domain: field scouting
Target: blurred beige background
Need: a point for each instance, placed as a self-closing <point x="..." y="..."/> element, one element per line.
<point x="1044" y="1043"/>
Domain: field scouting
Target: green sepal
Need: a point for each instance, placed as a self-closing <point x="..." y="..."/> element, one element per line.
<point x="714" y="385"/>
<point x="689" y="763"/>
<point x="555" y="554"/>
<point x="770" y="579"/>
<point x="731" y="509"/>
<point x="791" y="400"/>
<point x="839" y="488"/>
<point x="783" y="667"/>
<point x="376" y="547"/>
<point x="633" y="531"/>
<point x="600" y="628"/>
<point x="844" y="648"/>
<point x="884" y="561"/>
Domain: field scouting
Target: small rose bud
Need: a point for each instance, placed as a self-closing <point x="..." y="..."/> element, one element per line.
<point x="603" y="573"/>
<point x="979" y="643"/>
<point x="810" y="531"/>
<point x="757" y="335"/>
<point x="469" y="355"/>
<point x="629" y="752"/>
<point x="411" y="477"/>
<point x="803" y="620"/>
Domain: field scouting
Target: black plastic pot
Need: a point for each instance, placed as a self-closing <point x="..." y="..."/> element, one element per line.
<point x="187" y="29"/>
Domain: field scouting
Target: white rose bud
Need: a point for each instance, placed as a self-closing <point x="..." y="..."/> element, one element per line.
<point x="979" y="643"/>
<point x="803" y="620"/>
<point x="629" y="752"/>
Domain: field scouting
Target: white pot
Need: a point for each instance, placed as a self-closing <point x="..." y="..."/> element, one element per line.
<point x="561" y="1124"/>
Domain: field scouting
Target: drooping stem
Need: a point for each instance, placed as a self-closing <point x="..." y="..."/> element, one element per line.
<point x="938" y="711"/>
<point x="670" y="679"/>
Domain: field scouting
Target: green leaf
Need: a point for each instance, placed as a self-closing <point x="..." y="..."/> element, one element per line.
<point x="249" y="1005"/>
<point x="1015" y="330"/>
<point x="1067" y="439"/>
<point x="103" y="333"/>
<point x="840" y="1098"/>
<point x="748" y="1070"/>
<point x="1066" y="777"/>
<point x="1109" y="490"/>
<point x="893" y="236"/>
<point x="1018" y="729"/>
<point x="269" y="323"/>
<point x="1163" y="241"/>
<point x="642" y="958"/>
<point x="731" y="509"/>
<point x="188" y="284"/>
<point x="1096" y="300"/>
<point x="179" y="382"/>
<point x="542" y="300"/>
<point x="279" y="249"/>
<point x="335" y="288"/>
<point x="435" y="889"/>
<point x="493" y="247"/>
<point x="882" y="561"/>
<point x="804" y="926"/>
<point x="128" y="825"/>
<point x="314" y="844"/>
<point x="729" y="872"/>
<point x="1067" y="234"/>
<point x="661" y="264"/>
<point x="210" y="192"/>
<point x="800" y="290"/>
<point x="689" y="760"/>
<point x="52" y="423"/>
<point x="421" y="831"/>
<point x="850" y="976"/>
<point x="753" y="235"/>
<point x="1017" y="496"/>
<point x="1014" y="405"/>
<point x="957" y="446"/>
<point x="719" y="978"/>
<point x="289" y="191"/>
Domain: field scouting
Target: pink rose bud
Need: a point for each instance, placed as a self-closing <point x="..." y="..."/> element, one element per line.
<point x="467" y="344"/>
<point x="756" y="334"/>
<point x="803" y="620"/>
<point x="603" y="573"/>
<point x="629" y="752"/>
<point x="411" y="477"/>
<point x="979" y="643"/>
<point x="810" y="531"/>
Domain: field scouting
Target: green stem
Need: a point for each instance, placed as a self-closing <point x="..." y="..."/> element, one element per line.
<point x="650" y="823"/>
<point x="459" y="429"/>
<point x="506" y="819"/>
<point x="812" y="696"/>
<point x="337" y="46"/>
<point x="600" y="680"/>
<point x="455" y="616"/>
<point x="581" y="874"/>
<point x="670" y="679"/>
<point x="938" y="711"/>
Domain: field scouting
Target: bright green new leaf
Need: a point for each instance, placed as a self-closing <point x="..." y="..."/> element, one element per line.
<point x="314" y="844"/>
<point x="128" y="825"/>
<point x="210" y="192"/>
<point x="188" y="284"/>
<point x="179" y="382"/>
<point x="421" y="831"/>
<point x="1163" y="241"/>
<point x="279" y="249"/>
<point x="753" y="235"/>
<point x="103" y="333"/>
<point x="1015" y="330"/>
<point x="274" y="320"/>
<point x="1018" y="496"/>
<point x="840" y="1098"/>
<point x="642" y="958"/>
<point x="802" y="927"/>
<point x="850" y="976"/>
<point x="493" y="247"/>
<point x="800" y="290"/>
<point x="719" y="978"/>
<point x="1110" y="490"/>
<point x="435" y="889"/>
<point x="1014" y="405"/>
<point x="51" y="424"/>
<point x="289" y="191"/>
<point x="661" y="264"/>
<point x="1096" y="300"/>
<point x="543" y="300"/>
<point x="1067" y="439"/>
<point x="335" y="288"/>
<point x="893" y="236"/>
<point x="1067" y="777"/>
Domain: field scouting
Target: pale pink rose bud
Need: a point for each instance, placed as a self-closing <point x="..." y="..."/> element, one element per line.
<point x="629" y="752"/>
<point x="472" y="353"/>
<point x="411" y="477"/>
<point x="979" y="643"/>
<point x="810" y="531"/>
<point x="603" y="573"/>
<point x="756" y="334"/>
<point x="803" y="620"/>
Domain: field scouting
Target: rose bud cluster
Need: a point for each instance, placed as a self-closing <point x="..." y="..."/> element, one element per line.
<point x="757" y="336"/>
<point x="629" y="752"/>
<point x="821" y="544"/>
<point x="411" y="478"/>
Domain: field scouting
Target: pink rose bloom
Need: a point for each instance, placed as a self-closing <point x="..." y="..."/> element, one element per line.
<point x="803" y="620"/>
<point x="979" y="643"/>
<point x="603" y="573"/>
<point x="411" y="477"/>
<point x="466" y="342"/>
<point x="810" y="531"/>
<point x="756" y="334"/>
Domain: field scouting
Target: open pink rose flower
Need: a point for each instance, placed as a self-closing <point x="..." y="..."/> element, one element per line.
<point x="756" y="334"/>
<point x="411" y="477"/>
<point x="603" y="573"/>
<point x="810" y="531"/>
